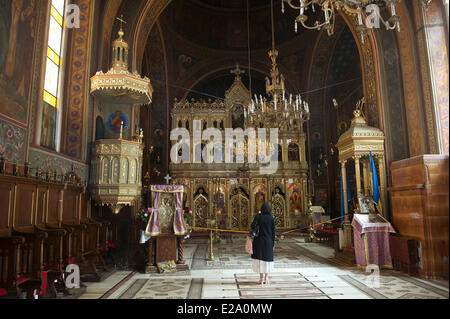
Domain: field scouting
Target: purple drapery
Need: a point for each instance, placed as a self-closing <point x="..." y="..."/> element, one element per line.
<point x="371" y="242"/>
<point x="179" y="226"/>
<point x="317" y="218"/>
<point x="153" y="227"/>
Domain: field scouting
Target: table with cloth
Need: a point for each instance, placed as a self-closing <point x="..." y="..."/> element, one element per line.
<point x="316" y="214"/>
<point x="371" y="240"/>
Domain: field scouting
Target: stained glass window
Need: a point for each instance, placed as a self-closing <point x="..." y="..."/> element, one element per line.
<point x="51" y="94"/>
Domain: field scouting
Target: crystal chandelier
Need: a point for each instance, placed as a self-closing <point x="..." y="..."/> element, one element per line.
<point x="278" y="109"/>
<point x="352" y="7"/>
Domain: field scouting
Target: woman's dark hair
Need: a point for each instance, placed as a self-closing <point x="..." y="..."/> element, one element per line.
<point x="265" y="209"/>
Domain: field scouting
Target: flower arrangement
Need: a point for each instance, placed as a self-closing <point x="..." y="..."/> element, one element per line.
<point x="144" y="215"/>
<point x="187" y="215"/>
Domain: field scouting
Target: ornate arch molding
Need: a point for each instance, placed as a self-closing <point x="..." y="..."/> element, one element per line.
<point x="391" y="81"/>
<point x="432" y="40"/>
<point x="368" y="53"/>
<point x="318" y="69"/>
<point x="411" y="83"/>
<point x="382" y="104"/>
<point x="149" y="15"/>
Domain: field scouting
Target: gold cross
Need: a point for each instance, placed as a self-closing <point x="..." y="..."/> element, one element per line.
<point x="121" y="20"/>
<point x="237" y="71"/>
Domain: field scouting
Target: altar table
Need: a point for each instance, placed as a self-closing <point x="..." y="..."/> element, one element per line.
<point x="371" y="240"/>
<point x="317" y="212"/>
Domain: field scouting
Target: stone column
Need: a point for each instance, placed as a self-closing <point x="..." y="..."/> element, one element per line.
<point x="347" y="240"/>
<point x="358" y="175"/>
<point x="344" y="186"/>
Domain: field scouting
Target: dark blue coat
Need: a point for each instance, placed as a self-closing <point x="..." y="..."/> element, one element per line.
<point x="264" y="242"/>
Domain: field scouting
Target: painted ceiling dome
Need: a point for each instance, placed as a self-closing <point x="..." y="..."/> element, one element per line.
<point x="222" y="24"/>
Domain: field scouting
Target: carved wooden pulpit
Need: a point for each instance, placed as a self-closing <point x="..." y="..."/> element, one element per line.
<point x="166" y="226"/>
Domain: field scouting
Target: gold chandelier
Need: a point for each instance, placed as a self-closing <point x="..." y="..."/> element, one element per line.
<point x="279" y="109"/>
<point x="118" y="85"/>
<point x="352" y="7"/>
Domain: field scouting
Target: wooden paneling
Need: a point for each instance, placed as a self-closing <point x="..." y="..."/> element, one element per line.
<point x="41" y="205"/>
<point x="84" y="209"/>
<point x="25" y="205"/>
<point x="71" y="206"/>
<point x="6" y="207"/>
<point x="166" y="248"/>
<point x="419" y="199"/>
<point x="54" y="205"/>
<point x="25" y="202"/>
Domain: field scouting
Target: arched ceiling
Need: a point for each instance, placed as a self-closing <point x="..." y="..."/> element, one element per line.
<point x="222" y="25"/>
<point x="200" y="36"/>
<point x="233" y="5"/>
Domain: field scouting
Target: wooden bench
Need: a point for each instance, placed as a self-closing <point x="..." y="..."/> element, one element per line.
<point x="32" y="208"/>
<point x="10" y="264"/>
<point x="54" y="224"/>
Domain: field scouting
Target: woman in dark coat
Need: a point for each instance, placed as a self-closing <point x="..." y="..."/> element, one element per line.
<point x="263" y="243"/>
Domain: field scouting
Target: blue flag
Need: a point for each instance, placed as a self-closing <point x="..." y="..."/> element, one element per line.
<point x="376" y="191"/>
<point x="349" y="191"/>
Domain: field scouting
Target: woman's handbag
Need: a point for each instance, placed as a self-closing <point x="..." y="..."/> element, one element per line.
<point x="255" y="231"/>
<point x="249" y="246"/>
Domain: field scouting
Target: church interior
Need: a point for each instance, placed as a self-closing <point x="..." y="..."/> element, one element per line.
<point x="138" y="140"/>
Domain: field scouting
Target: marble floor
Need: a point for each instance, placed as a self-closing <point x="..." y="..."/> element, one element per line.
<point x="302" y="271"/>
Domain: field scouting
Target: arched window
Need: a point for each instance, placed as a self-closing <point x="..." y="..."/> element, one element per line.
<point x="50" y="119"/>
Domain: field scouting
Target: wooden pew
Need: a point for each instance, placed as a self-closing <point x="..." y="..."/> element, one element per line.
<point x="16" y="221"/>
<point x="47" y="213"/>
<point x="33" y="209"/>
<point x="75" y="245"/>
<point x="10" y="264"/>
<point x="88" y="237"/>
<point x="55" y="229"/>
<point x="96" y="237"/>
